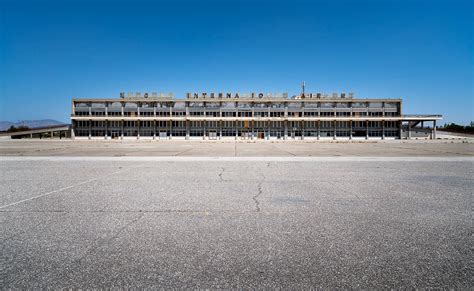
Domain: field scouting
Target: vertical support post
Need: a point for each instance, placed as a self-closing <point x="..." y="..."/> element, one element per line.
<point x="171" y="129"/>
<point x="236" y="130"/>
<point x="187" y="129"/>
<point x="252" y="122"/>
<point x="154" y="129"/>
<point x="90" y="128"/>
<point x="350" y="130"/>
<point x="205" y="128"/>
<point x="268" y="128"/>
<point x="220" y="129"/>
<point x="302" y="130"/>
<point x="334" y="128"/>
<point x="366" y="129"/>
<point x="121" y="128"/>
<point x="285" y="134"/>
<point x="73" y="129"/>
<point x="138" y="131"/>
<point x="106" y="129"/>
<point x="400" y="129"/>
<point x="383" y="129"/>
<point x="319" y="128"/>
<point x="409" y="130"/>
<point x="51" y="134"/>
<point x="434" y="129"/>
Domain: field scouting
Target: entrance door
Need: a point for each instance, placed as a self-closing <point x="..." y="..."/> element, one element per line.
<point x="212" y="134"/>
<point x="163" y="135"/>
<point x="115" y="134"/>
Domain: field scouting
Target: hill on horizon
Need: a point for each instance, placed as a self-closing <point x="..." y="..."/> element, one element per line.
<point x="4" y="125"/>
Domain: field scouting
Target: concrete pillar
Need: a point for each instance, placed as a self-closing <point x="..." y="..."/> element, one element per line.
<point x="31" y="135"/>
<point x="268" y="128"/>
<point x="434" y="129"/>
<point x="187" y="129"/>
<point x="236" y="131"/>
<point x="409" y="130"/>
<point x="400" y="129"/>
<point x="366" y="129"/>
<point x="302" y="130"/>
<point x="220" y="129"/>
<point x="106" y="129"/>
<point x="383" y="129"/>
<point x="285" y="134"/>
<point x="154" y="129"/>
<point x="138" y="131"/>
<point x="51" y="134"/>
<point x="90" y="129"/>
<point x="350" y="130"/>
<point x="319" y="128"/>
<point x="252" y="125"/>
<point x="171" y="129"/>
<point x="334" y="128"/>
<point x="205" y="128"/>
<point x="121" y="129"/>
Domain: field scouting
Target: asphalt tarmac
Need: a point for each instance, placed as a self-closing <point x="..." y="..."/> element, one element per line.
<point x="236" y="223"/>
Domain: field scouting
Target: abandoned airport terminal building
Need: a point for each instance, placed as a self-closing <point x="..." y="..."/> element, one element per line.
<point x="244" y="116"/>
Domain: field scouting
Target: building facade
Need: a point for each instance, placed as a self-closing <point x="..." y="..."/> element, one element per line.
<point x="247" y="116"/>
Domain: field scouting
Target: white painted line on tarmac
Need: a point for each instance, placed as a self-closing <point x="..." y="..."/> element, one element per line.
<point x="68" y="187"/>
<point x="235" y="159"/>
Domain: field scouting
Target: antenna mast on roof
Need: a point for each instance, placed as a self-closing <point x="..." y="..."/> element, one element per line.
<point x="302" y="86"/>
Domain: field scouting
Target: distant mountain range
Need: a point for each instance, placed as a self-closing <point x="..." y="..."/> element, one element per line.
<point x="4" y="125"/>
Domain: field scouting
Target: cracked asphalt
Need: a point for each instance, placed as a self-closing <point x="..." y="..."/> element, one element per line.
<point x="236" y="224"/>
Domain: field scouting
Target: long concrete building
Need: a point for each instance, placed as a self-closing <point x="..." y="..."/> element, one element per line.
<point x="244" y="116"/>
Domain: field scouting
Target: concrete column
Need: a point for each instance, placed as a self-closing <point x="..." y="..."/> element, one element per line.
<point x="106" y="129"/>
<point x="121" y="129"/>
<point x="409" y="130"/>
<point x="171" y="129"/>
<point x="154" y="128"/>
<point x="106" y="109"/>
<point x="383" y="129"/>
<point x="302" y="130"/>
<point x="350" y="129"/>
<point x="400" y="130"/>
<point x="73" y="130"/>
<point x="268" y="128"/>
<point x="285" y="134"/>
<point x="220" y="129"/>
<point x="434" y="129"/>
<point x="319" y="129"/>
<point x="51" y="134"/>
<point x="366" y="129"/>
<point x="236" y="131"/>
<point x="31" y="135"/>
<point x="252" y="124"/>
<point x="138" y="131"/>
<point x="187" y="129"/>
<point x="334" y="128"/>
<point x="90" y="129"/>
<point x="205" y="128"/>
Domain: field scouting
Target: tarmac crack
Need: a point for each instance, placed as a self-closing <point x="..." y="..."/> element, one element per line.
<point x="260" y="191"/>
<point x="222" y="173"/>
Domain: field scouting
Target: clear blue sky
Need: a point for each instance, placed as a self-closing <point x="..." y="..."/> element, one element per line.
<point x="51" y="51"/>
